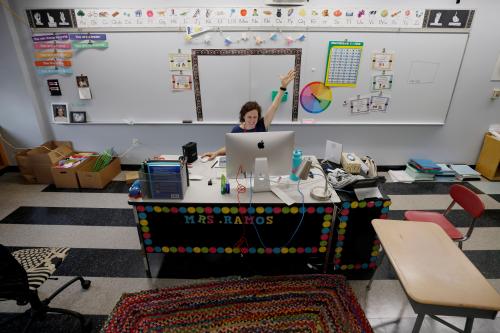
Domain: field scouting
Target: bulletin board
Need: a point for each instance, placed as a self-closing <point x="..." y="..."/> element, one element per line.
<point x="131" y="81"/>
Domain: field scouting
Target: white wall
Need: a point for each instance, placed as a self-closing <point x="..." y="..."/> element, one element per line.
<point x="459" y="140"/>
<point x="17" y="116"/>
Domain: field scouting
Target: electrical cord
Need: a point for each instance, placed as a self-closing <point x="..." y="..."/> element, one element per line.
<point x="298" y="225"/>
<point x="303" y="214"/>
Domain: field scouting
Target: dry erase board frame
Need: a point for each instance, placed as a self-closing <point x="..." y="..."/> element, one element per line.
<point x="195" y="53"/>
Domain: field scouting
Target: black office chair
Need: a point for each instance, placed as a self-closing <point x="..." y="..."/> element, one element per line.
<point x="23" y="271"/>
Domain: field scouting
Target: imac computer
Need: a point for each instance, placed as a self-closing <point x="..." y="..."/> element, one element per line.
<point x="259" y="154"/>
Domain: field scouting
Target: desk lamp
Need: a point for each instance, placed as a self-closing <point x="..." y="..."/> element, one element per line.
<point x="318" y="193"/>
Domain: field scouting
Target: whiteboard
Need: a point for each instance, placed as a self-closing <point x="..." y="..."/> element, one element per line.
<point x="411" y="103"/>
<point x="130" y="81"/>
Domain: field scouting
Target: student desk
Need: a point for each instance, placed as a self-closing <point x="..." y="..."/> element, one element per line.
<point x="254" y="232"/>
<point x="435" y="274"/>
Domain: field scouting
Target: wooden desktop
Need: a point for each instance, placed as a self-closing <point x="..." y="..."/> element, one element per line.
<point x="435" y="274"/>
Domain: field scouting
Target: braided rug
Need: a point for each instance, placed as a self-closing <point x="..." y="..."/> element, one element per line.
<point x="296" y="303"/>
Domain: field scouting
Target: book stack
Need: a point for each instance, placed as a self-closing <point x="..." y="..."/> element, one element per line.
<point x="465" y="172"/>
<point x="446" y="174"/>
<point x="167" y="178"/>
<point x="420" y="169"/>
<point x="446" y="171"/>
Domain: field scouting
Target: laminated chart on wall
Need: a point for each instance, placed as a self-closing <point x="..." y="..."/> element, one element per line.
<point x="88" y="41"/>
<point x="343" y="63"/>
<point x="52" y="54"/>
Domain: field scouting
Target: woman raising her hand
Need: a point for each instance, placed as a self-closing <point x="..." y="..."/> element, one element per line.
<point x="251" y="119"/>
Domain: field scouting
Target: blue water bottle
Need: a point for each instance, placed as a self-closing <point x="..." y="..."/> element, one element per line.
<point x="296" y="160"/>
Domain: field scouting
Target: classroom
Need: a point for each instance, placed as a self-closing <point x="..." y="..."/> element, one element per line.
<point x="369" y="112"/>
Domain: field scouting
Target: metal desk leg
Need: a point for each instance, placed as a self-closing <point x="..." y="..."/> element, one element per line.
<point x="381" y="260"/>
<point x="468" y="324"/>
<point x="141" y="241"/>
<point x="418" y="323"/>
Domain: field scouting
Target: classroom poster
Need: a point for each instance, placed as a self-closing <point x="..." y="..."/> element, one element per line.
<point x="88" y="41"/>
<point x="382" y="61"/>
<point x="249" y="16"/>
<point x="179" y="61"/>
<point x="379" y="103"/>
<point x="343" y="63"/>
<point x="182" y="82"/>
<point x="381" y="82"/>
<point x="360" y="104"/>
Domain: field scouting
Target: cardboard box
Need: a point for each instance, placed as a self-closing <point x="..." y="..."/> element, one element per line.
<point x="67" y="177"/>
<point x="131" y="176"/>
<point x="41" y="159"/>
<point x="23" y="162"/>
<point x="30" y="179"/>
<point x="98" y="179"/>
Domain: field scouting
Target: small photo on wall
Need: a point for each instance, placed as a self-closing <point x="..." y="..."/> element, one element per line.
<point x="78" y="116"/>
<point x="60" y="112"/>
<point x="82" y="81"/>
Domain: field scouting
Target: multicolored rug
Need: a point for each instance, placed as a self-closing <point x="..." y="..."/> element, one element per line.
<point x="296" y="303"/>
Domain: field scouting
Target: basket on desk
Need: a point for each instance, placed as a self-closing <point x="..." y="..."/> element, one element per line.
<point x="163" y="186"/>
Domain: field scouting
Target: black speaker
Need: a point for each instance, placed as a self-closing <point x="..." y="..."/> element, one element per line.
<point x="190" y="152"/>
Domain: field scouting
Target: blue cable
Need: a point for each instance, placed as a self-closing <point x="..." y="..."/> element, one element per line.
<point x="303" y="214"/>
<point x="250" y="206"/>
<point x="296" y="229"/>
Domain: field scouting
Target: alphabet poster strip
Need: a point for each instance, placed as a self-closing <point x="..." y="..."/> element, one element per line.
<point x="362" y="17"/>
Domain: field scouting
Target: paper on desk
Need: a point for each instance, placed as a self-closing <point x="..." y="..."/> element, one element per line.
<point x="333" y="151"/>
<point x="282" y="195"/>
<point x="400" y="176"/>
<point x="367" y="192"/>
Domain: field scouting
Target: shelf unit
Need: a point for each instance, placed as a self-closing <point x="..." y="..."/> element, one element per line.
<point x="488" y="163"/>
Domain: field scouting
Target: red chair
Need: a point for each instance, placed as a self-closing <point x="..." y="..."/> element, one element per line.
<point x="467" y="199"/>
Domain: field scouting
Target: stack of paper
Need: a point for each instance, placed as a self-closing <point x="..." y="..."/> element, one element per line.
<point x="465" y="172"/>
<point x="400" y="176"/>
<point x="446" y="171"/>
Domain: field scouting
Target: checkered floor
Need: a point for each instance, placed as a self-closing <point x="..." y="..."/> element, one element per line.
<point x="99" y="227"/>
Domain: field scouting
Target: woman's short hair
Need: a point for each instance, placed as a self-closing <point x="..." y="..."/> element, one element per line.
<point x="247" y="107"/>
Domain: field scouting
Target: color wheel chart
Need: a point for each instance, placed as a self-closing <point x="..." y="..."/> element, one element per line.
<point x="315" y="97"/>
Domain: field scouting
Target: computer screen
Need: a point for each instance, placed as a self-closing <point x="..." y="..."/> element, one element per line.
<point x="243" y="148"/>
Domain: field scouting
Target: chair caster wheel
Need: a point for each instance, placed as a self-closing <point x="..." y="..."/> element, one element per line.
<point x="86" y="284"/>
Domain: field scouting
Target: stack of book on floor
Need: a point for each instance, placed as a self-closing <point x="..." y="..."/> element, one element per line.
<point x="465" y="172"/>
<point x="446" y="173"/>
<point x="420" y="169"/>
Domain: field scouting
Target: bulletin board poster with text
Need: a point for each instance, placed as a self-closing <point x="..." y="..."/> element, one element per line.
<point x="343" y="63"/>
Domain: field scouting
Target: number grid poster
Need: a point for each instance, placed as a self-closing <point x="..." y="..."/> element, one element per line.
<point x="343" y="63"/>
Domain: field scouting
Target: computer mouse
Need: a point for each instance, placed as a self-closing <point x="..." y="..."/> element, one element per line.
<point x="204" y="159"/>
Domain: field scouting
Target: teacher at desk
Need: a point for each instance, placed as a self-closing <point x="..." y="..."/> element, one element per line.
<point x="251" y="119"/>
